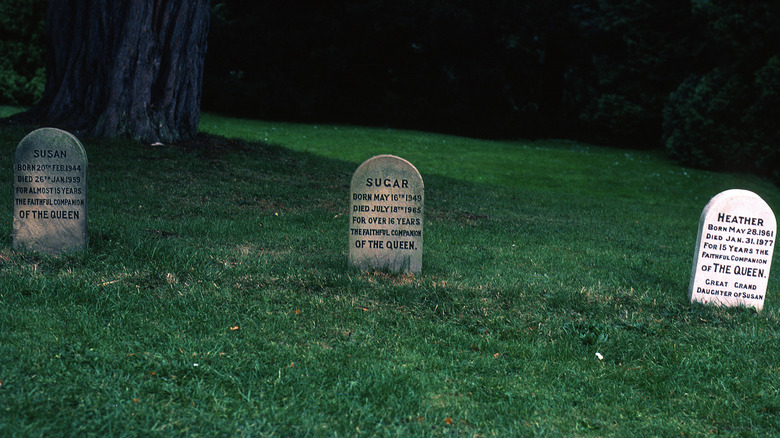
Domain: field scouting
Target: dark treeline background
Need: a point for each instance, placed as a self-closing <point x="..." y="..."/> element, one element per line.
<point x="700" y="78"/>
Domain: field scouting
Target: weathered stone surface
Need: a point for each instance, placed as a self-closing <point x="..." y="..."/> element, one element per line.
<point x="737" y="233"/>
<point x="386" y="216"/>
<point x="50" y="193"/>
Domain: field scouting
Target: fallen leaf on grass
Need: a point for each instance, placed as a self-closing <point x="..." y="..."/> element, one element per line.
<point x="448" y="420"/>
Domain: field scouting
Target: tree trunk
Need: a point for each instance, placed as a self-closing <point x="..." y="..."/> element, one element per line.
<point x="124" y="68"/>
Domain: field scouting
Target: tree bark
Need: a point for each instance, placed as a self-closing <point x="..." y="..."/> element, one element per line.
<point x="124" y="68"/>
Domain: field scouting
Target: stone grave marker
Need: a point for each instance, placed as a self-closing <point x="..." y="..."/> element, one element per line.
<point x="50" y="193"/>
<point x="386" y="216"/>
<point x="737" y="233"/>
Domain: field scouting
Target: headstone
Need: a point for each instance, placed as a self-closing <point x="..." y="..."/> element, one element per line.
<point x="386" y="216"/>
<point x="50" y="193"/>
<point x="737" y="233"/>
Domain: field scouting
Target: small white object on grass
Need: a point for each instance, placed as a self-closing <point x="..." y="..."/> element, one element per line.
<point x="599" y="356"/>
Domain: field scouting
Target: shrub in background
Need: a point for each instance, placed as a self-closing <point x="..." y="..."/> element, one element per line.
<point x="763" y="116"/>
<point x="19" y="86"/>
<point x="614" y="119"/>
<point x="22" y="45"/>
<point x="726" y="120"/>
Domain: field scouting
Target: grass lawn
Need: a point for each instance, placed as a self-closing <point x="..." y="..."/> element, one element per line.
<point x="215" y="297"/>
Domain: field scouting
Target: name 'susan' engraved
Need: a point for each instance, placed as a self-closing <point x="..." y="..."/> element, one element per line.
<point x="47" y="153"/>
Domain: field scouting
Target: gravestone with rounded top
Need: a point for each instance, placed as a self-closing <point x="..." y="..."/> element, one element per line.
<point x="50" y="193"/>
<point x="737" y="233"/>
<point x="386" y="216"/>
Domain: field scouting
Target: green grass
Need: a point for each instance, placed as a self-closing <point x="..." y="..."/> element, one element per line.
<point x="215" y="297"/>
